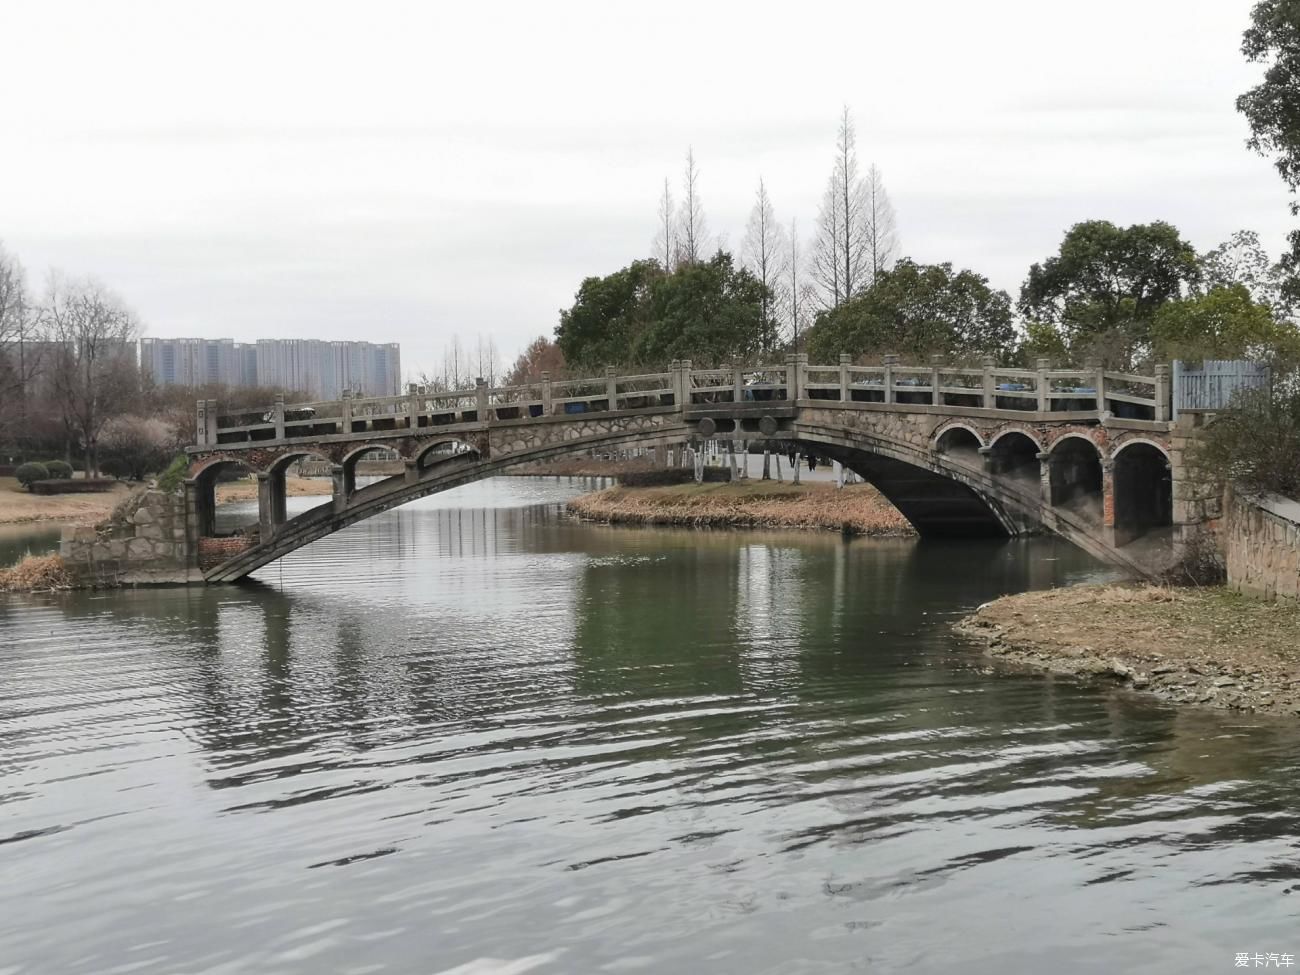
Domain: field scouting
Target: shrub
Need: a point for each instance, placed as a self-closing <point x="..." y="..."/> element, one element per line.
<point x="31" y="471"/>
<point x="1256" y="444"/>
<point x="59" y="469"/>
<point x="170" y="479"/>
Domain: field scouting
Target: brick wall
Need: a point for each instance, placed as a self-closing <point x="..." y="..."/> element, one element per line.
<point x="214" y="551"/>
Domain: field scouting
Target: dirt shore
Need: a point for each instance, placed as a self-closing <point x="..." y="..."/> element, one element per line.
<point x="19" y="506"/>
<point x="1209" y="647"/>
<point x="859" y="509"/>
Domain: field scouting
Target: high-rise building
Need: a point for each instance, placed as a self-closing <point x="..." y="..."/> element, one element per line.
<point x="314" y="367"/>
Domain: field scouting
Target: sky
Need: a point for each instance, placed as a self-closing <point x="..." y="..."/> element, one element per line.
<point x="412" y="172"/>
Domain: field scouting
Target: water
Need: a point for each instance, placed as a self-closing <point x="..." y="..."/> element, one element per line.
<point x="472" y="736"/>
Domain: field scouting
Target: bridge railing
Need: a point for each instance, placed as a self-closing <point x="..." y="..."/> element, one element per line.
<point x="1089" y="390"/>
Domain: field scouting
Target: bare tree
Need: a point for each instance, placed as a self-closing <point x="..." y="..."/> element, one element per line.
<point x="881" y="226"/>
<point x="798" y="293"/>
<point x="842" y="262"/>
<point x="765" y="255"/>
<point x="488" y="360"/>
<point x="692" y="228"/>
<point x="826" y="249"/>
<point x="18" y="358"/>
<point x="91" y="369"/>
<point x="666" y="243"/>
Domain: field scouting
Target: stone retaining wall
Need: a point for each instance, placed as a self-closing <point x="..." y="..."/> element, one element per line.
<point x="152" y="545"/>
<point x="1261" y="541"/>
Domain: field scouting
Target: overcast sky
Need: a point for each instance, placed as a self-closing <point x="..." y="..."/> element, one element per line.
<point x="406" y="172"/>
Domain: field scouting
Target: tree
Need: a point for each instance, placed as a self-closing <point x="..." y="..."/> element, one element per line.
<point x="1223" y="323"/>
<point x="708" y="312"/>
<point x="607" y="316"/>
<point x="135" y="446"/>
<point x="665" y="242"/>
<point x="1106" y="283"/>
<point x="843" y="260"/>
<point x="766" y="256"/>
<point x="1242" y="260"/>
<point x="18" y="357"/>
<point x="91" y="368"/>
<point x="1272" y="108"/>
<point x="917" y="310"/>
<point x="881" y="225"/>
<point x="541" y="355"/>
<point x="692" y="228"/>
<point x="798" y="294"/>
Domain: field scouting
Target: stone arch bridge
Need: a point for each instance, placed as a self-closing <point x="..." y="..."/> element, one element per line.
<point x="1089" y="454"/>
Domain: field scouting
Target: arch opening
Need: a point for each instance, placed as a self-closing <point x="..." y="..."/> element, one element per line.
<point x="441" y="452"/>
<point x="1014" y="456"/>
<point x="1143" y="493"/>
<point x="235" y="520"/>
<point x="961" y="445"/>
<point x="1076" y="478"/>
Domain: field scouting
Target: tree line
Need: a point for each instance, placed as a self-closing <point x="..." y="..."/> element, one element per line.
<point x="1127" y="296"/>
<point x="71" y="386"/>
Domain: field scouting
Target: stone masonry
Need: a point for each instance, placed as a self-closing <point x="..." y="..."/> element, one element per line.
<point x="152" y="545"/>
<point x="1262" y="542"/>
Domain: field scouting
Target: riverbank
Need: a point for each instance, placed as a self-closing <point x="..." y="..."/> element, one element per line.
<point x="1208" y="646"/>
<point x="19" y="506"/>
<point x="580" y="467"/>
<point x="859" y="509"/>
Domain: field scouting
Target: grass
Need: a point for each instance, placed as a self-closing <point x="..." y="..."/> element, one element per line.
<point x="858" y="509"/>
<point x="17" y="505"/>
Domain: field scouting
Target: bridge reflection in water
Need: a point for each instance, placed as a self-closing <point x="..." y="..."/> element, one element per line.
<point x="1089" y="454"/>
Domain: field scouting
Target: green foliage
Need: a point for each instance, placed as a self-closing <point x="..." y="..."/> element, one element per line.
<point x="608" y="314"/>
<point x="1104" y="286"/>
<point x="1255" y="445"/>
<point x="705" y="311"/>
<point x="31" y="471"/>
<point x="1223" y="323"/>
<point x="59" y="468"/>
<point x="915" y="310"/>
<point x="1042" y="340"/>
<point x="170" y="479"/>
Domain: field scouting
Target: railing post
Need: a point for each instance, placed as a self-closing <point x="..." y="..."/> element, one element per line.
<point x="1098" y="373"/>
<point x="844" y="376"/>
<point x="546" y="394"/>
<point x="201" y="433"/>
<point x="792" y="377"/>
<point x="737" y="385"/>
<point x="1042" y="385"/>
<point x="413" y="406"/>
<point x="801" y="371"/>
<point x="611" y="388"/>
<point x="990" y="392"/>
<point x="890" y="362"/>
<point x="213" y="426"/>
<point x="345" y="412"/>
<point x="685" y="366"/>
<point x="279" y="418"/>
<point x="481" y="399"/>
<point x="936" y="380"/>
<point x="1162" y="393"/>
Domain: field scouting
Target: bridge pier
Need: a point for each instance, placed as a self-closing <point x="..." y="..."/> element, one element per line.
<point x="342" y="490"/>
<point x="272" y="508"/>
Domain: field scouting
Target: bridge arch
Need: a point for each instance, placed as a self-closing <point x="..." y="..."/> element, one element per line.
<point x="423" y="456"/>
<point x="1076" y="476"/>
<point x="1013" y="453"/>
<point x="1143" y="490"/>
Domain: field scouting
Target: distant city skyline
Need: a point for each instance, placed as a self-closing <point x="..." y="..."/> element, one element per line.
<point x="321" y="369"/>
<point x="422" y="197"/>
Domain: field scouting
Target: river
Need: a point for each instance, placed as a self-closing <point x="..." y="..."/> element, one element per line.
<point x="473" y="736"/>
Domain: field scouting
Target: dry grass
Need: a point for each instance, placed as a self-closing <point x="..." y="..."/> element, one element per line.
<point x="295" y="487"/>
<point x="17" y="505"/>
<point x="859" y="509"/>
<point x="36" y="573"/>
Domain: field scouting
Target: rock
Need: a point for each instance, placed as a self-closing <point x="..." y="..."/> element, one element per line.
<point x="1163" y="669"/>
<point x="1120" y="670"/>
<point x="1141" y="681"/>
<point x="143" y="516"/>
<point x="1224" y="682"/>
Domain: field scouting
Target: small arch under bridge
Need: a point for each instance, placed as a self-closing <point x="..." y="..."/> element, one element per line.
<point x="1088" y="454"/>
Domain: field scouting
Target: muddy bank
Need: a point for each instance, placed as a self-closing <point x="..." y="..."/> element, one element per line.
<point x="859" y="509"/>
<point x="1208" y="647"/>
